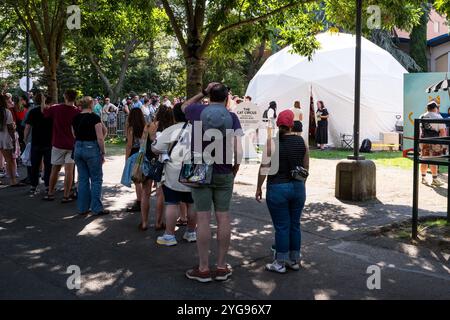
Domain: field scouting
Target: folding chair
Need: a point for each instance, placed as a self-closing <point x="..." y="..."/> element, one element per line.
<point x="346" y="141"/>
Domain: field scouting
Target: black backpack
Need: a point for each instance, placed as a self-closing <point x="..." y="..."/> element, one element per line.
<point x="265" y="115"/>
<point x="366" y="146"/>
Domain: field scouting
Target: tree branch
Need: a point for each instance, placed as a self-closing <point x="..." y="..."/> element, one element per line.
<point x="175" y="26"/>
<point x="5" y="34"/>
<point x="260" y="18"/>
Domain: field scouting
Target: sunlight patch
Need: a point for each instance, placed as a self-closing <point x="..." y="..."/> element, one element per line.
<point x="94" y="228"/>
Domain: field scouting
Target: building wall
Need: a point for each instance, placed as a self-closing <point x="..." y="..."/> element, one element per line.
<point x="436" y="27"/>
<point x="439" y="58"/>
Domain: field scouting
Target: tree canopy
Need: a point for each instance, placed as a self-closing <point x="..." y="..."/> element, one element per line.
<point x="151" y="45"/>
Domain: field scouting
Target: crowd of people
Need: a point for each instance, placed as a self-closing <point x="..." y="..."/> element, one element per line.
<point x="195" y="144"/>
<point x="72" y="135"/>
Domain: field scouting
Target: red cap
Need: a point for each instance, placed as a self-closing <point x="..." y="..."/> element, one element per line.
<point x="286" y="118"/>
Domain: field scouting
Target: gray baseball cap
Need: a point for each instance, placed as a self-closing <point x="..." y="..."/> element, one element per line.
<point x="216" y="116"/>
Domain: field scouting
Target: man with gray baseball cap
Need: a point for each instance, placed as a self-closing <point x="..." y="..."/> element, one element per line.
<point x="217" y="123"/>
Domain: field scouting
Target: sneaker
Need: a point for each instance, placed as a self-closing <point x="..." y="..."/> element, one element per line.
<point x="190" y="236"/>
<point x="2" y="173"/>
<point x="196" y="274"/>
<point x="33" y="190"/>
<point x="424" y="181"/>
<point x="276" y="267"/>
<point x="222" y="274"/>
<point x="437" y="183"/>
<point x="293" y="265"/>
<point x="167" y="240"/>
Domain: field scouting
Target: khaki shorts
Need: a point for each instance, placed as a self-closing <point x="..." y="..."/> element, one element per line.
<point x="61" y="157"/>
<point x="219" y="194"/>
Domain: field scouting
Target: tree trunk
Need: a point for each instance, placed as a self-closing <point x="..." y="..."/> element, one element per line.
<point x="418" y="42"/>
<point x="52" y="82"/>
<point x="195" y="69"/>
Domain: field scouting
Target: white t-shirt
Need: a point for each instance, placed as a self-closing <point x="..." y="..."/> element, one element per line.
<point x="297" y="113"/>
<point x="433" y="115"/>
<point x="270" y="114"/>
<point x="172" y="169"/>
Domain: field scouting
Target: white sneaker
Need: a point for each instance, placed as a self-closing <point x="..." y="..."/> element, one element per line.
<point x="276" y="267"/>
<point x="437" y="183"/>
<point x="424" y="181"/>
<point x="167" y="240"/>
<point x="190" y="236"/>
<point x="293" y="265"/>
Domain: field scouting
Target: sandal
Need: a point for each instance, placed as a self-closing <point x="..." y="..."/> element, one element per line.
<point x="142" y="228"/>
<point x="67" y="199"/>
<point x="49" y="197"/>
<point x="18" y="185"/>
<point x="181" y="223"/>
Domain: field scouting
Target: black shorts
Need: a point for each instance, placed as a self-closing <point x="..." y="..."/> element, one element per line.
<point x="172" y="197"/>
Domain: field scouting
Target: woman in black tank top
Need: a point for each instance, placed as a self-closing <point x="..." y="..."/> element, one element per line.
<point x="286" y="195"/>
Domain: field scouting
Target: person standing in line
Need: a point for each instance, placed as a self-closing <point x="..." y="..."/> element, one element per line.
<point x="146" y="110"/>
<point x="298" y="118"/>
<point x="164" y="119"/>
<point x="89" y="156"/>
<point x="41" y="142"/>
<point x="63" y="142"/>
<point x="322" y="117"/>
<point x="135" y="130"/>
<point x="173" y="140"/>
<point x="286" y="193"/>
<point x="136" y="102"/>
<point x="98" y="109"/>
<point x="7" y="140"/>
<point x="225" y="168"/>
<point x="21" y="109"/>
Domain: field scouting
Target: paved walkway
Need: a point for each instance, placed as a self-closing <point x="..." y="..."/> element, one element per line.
<point x="39" y="240"/>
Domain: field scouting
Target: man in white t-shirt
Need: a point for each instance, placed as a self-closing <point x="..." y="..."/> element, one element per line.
<point x="175" y="192"/>
<point x="431" y="130"/>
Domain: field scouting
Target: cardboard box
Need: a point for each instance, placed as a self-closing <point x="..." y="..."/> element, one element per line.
<point x="390" y="138"/>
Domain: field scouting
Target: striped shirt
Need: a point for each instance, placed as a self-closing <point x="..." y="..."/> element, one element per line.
<point x="292" y="151"/>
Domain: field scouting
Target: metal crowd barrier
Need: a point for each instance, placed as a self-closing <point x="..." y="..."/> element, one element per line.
<point x="443" y="160"/>
<point x="116" y="129"/>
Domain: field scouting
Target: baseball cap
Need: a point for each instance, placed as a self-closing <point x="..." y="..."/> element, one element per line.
<point x="286" y="118"/>
<point x="216" y="116"/>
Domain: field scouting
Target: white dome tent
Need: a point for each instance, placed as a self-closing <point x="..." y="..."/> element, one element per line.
<point x="330" y="76"/>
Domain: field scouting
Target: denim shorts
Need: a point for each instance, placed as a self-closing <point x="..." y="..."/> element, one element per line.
<point x="172" y="197"/>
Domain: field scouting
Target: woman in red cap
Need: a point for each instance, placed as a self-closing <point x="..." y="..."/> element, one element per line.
<point x="286" y="192"/>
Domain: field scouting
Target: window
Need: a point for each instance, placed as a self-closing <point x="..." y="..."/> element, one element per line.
<point x="436" y="26"/>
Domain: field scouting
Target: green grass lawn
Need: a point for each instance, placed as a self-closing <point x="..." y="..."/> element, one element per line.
<point x="382" y="158"/>
<point x="115" y="147"/>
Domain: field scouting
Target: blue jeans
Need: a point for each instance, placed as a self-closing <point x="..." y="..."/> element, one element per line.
<point x="88" y="160"/>
<point x="286" y="202"/>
